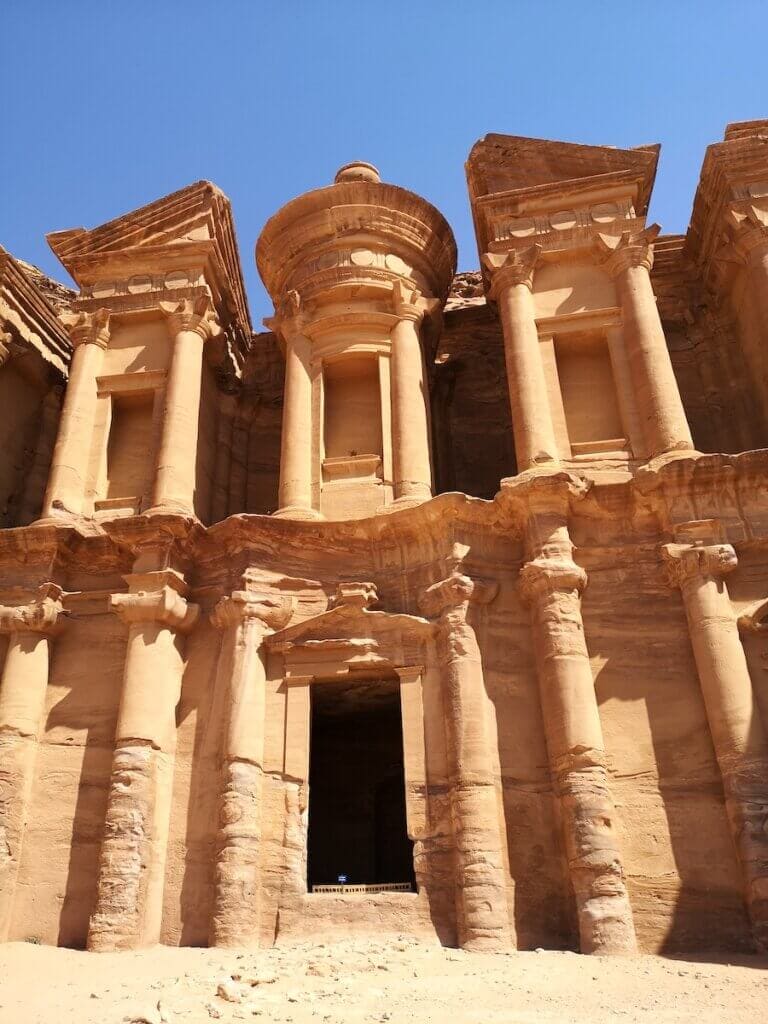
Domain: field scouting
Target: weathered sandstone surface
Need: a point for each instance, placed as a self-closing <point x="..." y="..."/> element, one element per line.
<point x="453" y="586"/>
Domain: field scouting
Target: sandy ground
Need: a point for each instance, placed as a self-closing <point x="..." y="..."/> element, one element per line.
<point x="363" y="981"/>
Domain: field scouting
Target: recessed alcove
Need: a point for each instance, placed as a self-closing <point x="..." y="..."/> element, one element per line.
<point x="352" y="437"/>
<point x="357" y="819"/>
<point x="129" y="447"/>
<point x="588" y="391"/>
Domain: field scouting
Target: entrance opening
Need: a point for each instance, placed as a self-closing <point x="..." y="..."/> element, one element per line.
<point x="357" y="825"/>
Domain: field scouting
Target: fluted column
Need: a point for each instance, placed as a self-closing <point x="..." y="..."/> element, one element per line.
<point x="67" y="482"/>
<point x="22" y="704"/>
<point x="629" y="261"/>
<point x="482" y="907"/>
<point x="246" y="618"/>
<point x="191" y="323"/>
<point x="511" y="287"/>
<point x="734" y="719"/>
<point x="131" y="867"/>
<point x="412" y="469"/>
<point x="295" y="489"/>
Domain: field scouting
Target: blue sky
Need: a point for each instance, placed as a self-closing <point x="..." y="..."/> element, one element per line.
<point x="110" y="105"/>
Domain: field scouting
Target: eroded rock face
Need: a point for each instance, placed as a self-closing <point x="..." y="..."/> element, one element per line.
<point x="496" y="546"/>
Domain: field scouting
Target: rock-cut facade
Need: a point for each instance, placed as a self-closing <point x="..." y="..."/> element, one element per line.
<point x="438" y="607"/>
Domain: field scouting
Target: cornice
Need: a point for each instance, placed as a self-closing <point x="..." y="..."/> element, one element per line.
<point x="159" y="238"/>
<point x="30" y="320"/>
<point x="670" y="492"/>
<point x="368" y="221"/>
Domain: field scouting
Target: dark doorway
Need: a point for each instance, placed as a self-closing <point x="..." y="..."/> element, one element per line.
<point x="357" y="824"/>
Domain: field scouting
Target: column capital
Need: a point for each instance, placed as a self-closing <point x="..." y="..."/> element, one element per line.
<point x="454" y="591"/>
<point x="43" y="614"/>
<point x="88" y="328"/>
<point x="631" y="249"/>
<point x="155" y="597"/>
<point x="410" y="304"/>
<point x="510" y="268"/>
<point x="194" y="315"/>
<point x="290" y="318"/>
<point x="273" y="610"/>
<point x="543" y="576"/>
<point x="686" y="562"/>
<point x="748" y="233"/>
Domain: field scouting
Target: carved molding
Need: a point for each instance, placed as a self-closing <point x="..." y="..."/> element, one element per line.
<point x="196" y="315"/>
<point x="88" y="328"/>
<point x="44" y="614"/>
<point x="685" y="562"/>
<point x="511" y="268"/>
<point x="631" y="249"/>
<point x="358" y="595"/>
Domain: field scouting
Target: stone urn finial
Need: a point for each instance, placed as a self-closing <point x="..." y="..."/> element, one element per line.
<point x="358" y="170"/>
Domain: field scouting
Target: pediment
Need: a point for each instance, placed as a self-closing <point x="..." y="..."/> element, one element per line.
<point x="352" y="623"/>
<point x="348" y="640"/>
<point x="507" y="163"/>
<point x="198" y="216"/>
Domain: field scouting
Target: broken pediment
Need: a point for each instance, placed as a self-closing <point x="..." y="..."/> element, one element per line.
<point x="181" y="235"/>
<point x="506" y="163"/>
<point x="351" y="638"/>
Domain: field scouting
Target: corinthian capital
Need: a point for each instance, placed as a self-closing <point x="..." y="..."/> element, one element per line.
<point x="272" y="609"/>
<point x="686" y="562"/>
<point x="454" y="591"/>
<point x="88" y="328"/>
<point x="749" y="233"/>
<point x="290" y="318"/>
<point x="543" y="576"/>
<point x="631" y="249"/>
<point x="410" y="304"/>
<point x="44" y="614"/>
<point x="155" y="599"/>
<point x="197" y="315"/>
<point x="511" y="268"/>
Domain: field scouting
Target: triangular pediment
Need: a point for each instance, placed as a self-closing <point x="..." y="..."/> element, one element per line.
<point x="350" y="622"/>
<point x="507" y="163"/>
<point x="199" y="215"/>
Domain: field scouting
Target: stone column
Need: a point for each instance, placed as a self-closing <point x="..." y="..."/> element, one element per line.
<point x="482" y="911"/>
<point x="89" y="333"/>
<point x="412" y="469"/>
<point x="246" y="619"/>
<point x="511" y="287"/>
<point x="734" y="718"/>
<point x="22" y="704"/>
<point x="130" y="887"/>
<point x="295" y="491"/>
<point x="629" y="261"/>
<point x="191" y="323"/>
<point x="551" y="585"/>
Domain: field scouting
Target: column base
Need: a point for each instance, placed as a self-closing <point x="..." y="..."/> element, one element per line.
<point x="407" y="501"/>
<point x="170" y="508"/>
<point x="298" y="512"/>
